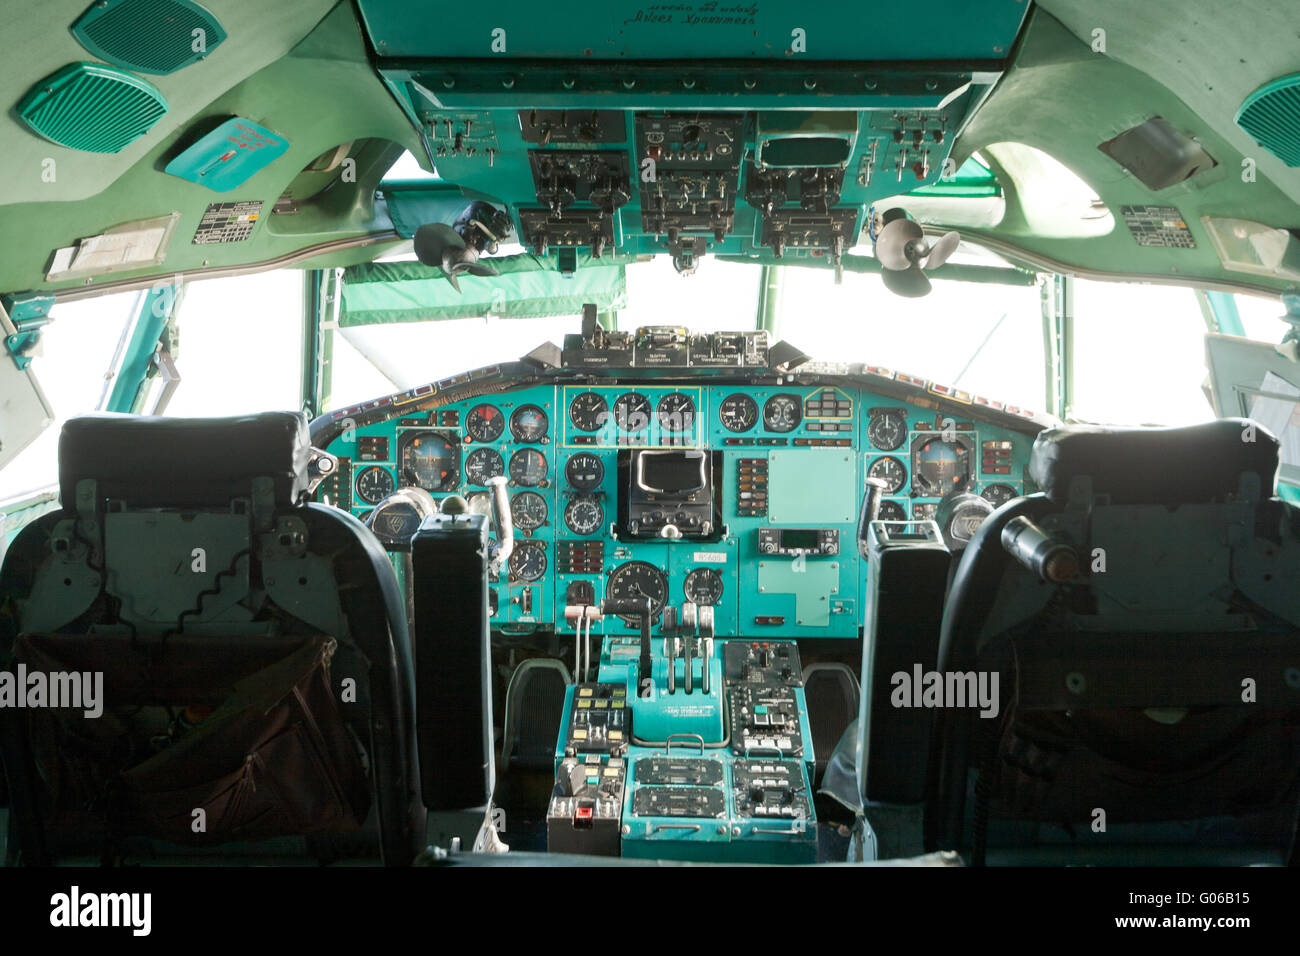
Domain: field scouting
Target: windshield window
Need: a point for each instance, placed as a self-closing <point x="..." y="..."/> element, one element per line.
<point x="718" y="297"/>
<point x="1139" y="355"/>
<point x="982" y="338"/>
<point x="407" y="354"/>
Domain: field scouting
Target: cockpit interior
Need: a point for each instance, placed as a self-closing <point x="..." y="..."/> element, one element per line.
<point x="715" y="432"/>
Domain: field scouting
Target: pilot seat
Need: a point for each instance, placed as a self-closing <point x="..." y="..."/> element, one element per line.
<point x="233" y="663"/>
<point x="1141" y="616"/>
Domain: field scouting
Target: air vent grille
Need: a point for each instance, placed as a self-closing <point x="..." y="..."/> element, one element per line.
<point x="151" y="36"/>
<point x="91" y="107"/>
<point x="1272" y="116"/>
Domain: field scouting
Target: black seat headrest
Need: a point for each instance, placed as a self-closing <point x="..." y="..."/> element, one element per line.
<point x="184" y="462"/>
<point x="1195" y="463"/>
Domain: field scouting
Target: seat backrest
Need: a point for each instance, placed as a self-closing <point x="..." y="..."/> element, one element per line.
<point x="1151" y="699"/>
<point x="534" y="708"/>
<point x="832" y="693"/>
<point x="178" y="535"/>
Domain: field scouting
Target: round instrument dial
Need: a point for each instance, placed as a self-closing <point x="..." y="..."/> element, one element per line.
<point x="782" y="413"/>
<point x="888" y="430"/>
<point x="483" y="464"/>
<point x="374" y="484"/>
<point x="485" y="423"/>
<point x="529" y="423"/>
<point x="528" y="511"/>
<point x="676" y="412"/>
<point x="939" y="467"/>
<point x="738" y="413"/>
<point x="632" y="412"/>
<point x="891" y="511"/>
<point x="528" y="561"/>
<point x="589" y="412"/>
<point x="999" y="494"/>
<point x="584" y="471"/>
<point x="636" y="581"/>
<point x="584" y="515"/>
<point x="528" y="467"/>
<point x="430" y="460"/>
<point x="891" y="471"/>
<point x="703" y="586"/>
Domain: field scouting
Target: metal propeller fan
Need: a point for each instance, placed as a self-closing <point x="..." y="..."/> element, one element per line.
<point x="905" y="253"/>
<point x="438" y="244"/>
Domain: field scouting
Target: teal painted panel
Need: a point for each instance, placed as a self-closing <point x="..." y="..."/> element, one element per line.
<point x="229" y="156"/>
<point x="812" y="582"/>
<point x="662" y="713"/>
<point x="815" y="486"/>
<point x="699" y="29"/>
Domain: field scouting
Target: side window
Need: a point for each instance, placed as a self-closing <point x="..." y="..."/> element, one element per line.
<point x="239" y="347"/>
<point x="74" y="365"/>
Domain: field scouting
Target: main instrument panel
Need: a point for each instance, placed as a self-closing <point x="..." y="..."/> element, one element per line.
<point x="736" y="496"/>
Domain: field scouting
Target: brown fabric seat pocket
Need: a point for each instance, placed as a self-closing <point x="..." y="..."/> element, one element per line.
<point x="274" y="758"/>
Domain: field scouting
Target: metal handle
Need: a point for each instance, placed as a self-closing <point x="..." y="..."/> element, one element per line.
<point x="502" y="518"/>
<point x="695" y="827"/>
<point x="699" y="740"/>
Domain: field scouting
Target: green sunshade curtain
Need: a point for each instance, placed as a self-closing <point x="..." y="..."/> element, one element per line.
<point x="377" y="293"/>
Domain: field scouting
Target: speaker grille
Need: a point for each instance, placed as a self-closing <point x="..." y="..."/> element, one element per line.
<point x="151" y="36"/>
<point x="96" y="108"/>
<point x="1272" y="116"/>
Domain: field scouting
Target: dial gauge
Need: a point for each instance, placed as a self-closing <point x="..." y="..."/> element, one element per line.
<point x="485" y="423"/>
<point x="528" y="423"/>
<point x="632" y="412"/>
<point x="483" y="464"/>
<point x="999" y="494"/>
<point x="584" y="471"/>
<point x="430" y="460"/>
<point x="584" y="515"/>
<point x="374" y="484"/>
<point x="939" y="467"/>
<point x="891" y="511"/>
<point x="891" y="471"/>
<point x="589" y="412"/>
<point x="676" y="412"/>
<point x="636" y="581"/>
<point x="738" y="412"/>
<point x="528" y="467"/>
<point x="703" y="586"/>
<point x="528" y="561"/>
<point x="782" y="413"/>
<point x="528" y="511"/>
<point x="887" y="430"/>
